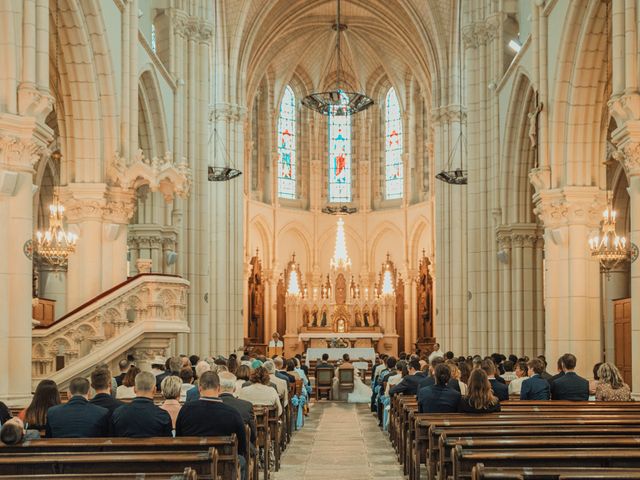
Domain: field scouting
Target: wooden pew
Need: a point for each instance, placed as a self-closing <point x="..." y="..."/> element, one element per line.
<point x="203" y="463"/>
<point x="263" y="434"/>
<point x="226" y="448"/>
<point x="188" y="474"/>
<point x="480" y="472"/>
<point x="604" y="458"/>
<point x="423" y="423"/>
<point x="519" y="443"/>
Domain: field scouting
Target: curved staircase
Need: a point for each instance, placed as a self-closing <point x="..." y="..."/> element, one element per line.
<point x="140" y="316"/>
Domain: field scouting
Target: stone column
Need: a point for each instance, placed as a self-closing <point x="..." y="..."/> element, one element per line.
<point x="572" y="278"/>
<point x="20" y="145"/>
<point x="628" y="154"/>
<point x="99" y="214"/>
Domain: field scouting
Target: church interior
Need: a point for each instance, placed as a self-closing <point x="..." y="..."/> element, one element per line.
<point x="259" y="182"/>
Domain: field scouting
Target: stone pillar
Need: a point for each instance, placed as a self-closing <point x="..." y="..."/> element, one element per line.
<point x="20" y="145"/>
<point x="572" y="278"/>
<point x="99" y="214"/>
<point x="294" y="314"/>
<point x="628" y="154"/>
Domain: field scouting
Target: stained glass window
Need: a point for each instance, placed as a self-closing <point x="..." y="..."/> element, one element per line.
<point x="394" y="168"/>
<point x="339" y="158"/>
<point x="287" y="145"/>
<point x="153" y="38"/>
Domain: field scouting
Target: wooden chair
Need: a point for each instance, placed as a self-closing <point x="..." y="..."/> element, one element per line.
<point x="263" y="432"/>
<point x="346" y="379"/>
<point x="324" y="382"/>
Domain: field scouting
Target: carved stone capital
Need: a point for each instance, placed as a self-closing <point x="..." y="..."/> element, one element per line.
<point x="449" y="113"/>
<point x="518" y="235"/>
<point x="540" y="178"/>
<point x="226" y="112"/>
<point x="570" y="206"/>
<point x="628" y="154"/>
<point x="159" y="174"/>
<point x="98" y="202"/>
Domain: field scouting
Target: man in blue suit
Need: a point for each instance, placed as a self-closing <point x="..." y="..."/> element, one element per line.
<point x="535" y="387"/>
<point x="570" y="386"/>
<point x="500" y="390"/>
<point x="77" y="418"/>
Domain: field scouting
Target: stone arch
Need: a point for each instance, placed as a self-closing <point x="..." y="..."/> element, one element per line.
<point x="303" y="239"/>
<point x="151" y="113"/>
<point x="519" y="155"/>
<point x="81" y="99"/>
<point x="576" y="128"/>
<point x="263" y="232"/>
<point x="421" y="226"/>
<point x="376" y="256"/>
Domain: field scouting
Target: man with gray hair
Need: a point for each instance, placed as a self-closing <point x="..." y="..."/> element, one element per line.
<point x="193" y="393"/>
<point x="174" y="364"/>
<point x="281" y="385"/>
<point x="227" y="388"/>
<point x="142" y="418"/>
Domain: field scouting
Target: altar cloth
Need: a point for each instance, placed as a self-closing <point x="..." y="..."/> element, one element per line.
<point x="336" y="354"/>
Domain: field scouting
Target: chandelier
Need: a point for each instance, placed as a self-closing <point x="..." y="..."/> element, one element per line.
<point x="55" y="244"/>
<point x="606" y="245"/>
<point x="340" y="101"/>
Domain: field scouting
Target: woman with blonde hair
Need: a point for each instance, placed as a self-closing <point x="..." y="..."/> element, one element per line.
<point x="171" y="388"/>
<point x="479" y="397"/>
<point x="456" y="383"/>
<point x="611" y="387"/>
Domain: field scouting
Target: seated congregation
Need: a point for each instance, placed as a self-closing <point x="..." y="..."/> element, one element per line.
<point x="237" y="415"/>
<point x="233" y="418"/>
<point x="507" y="418"/>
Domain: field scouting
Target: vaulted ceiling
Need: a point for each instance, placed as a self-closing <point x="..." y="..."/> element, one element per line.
<point x="394" y="39"/>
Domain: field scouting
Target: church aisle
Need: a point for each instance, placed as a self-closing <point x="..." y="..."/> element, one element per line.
<point x="339" y="441"/>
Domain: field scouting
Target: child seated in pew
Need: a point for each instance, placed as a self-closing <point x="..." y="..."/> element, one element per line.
<point x="13" y="432"/>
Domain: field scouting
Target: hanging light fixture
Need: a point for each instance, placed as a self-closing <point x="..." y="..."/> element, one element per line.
<point x="54" y="245"/>
<point x="609" y="248"/>
<point x="340" y="101"/>
<point x="224" y="172"/>
<point x="457" y="176"/>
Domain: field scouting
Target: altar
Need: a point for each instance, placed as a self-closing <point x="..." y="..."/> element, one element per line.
<point x="355" y="354"/>
<point x="358" y="310"/>
<point x="356" y="340"/>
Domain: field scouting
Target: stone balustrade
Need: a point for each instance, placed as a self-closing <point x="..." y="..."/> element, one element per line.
<point x="140" y="316"/>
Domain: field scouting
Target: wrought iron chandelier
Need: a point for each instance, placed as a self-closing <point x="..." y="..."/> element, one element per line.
<point x="226" y="171"/>
<point x="54" y="245"/>
<point x="457" y="176"/>
<point x="609" y="248"/>
<point x="341" y="101"/>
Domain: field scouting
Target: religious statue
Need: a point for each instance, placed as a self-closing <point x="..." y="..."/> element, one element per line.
<point x="305" y="317"/>
<point x="374" y="314"/>
<point x="323" y="322"/>
<point x="314" y="316"/>
<point x="533" y="125"/>
<point x="358" y="318"/>
<point x="365" y="315"/>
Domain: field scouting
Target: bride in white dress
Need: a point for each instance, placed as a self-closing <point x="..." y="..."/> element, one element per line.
<point x="361" y="391"/>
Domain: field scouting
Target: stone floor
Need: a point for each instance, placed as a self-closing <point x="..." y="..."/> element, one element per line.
<point x="340" y="441"/>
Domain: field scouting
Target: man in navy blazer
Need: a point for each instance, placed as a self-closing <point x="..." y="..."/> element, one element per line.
<point x="142" y="418"/>
<point x="77" y="418"/>
<point x="570" y="386"/>
<point x="409" y="385"/>
<point x="500" y="390"/>
<point x="439" y="398"/>
<point x="535" y="387"/>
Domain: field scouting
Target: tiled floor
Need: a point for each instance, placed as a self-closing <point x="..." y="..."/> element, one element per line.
<point x="339" y="441"/>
